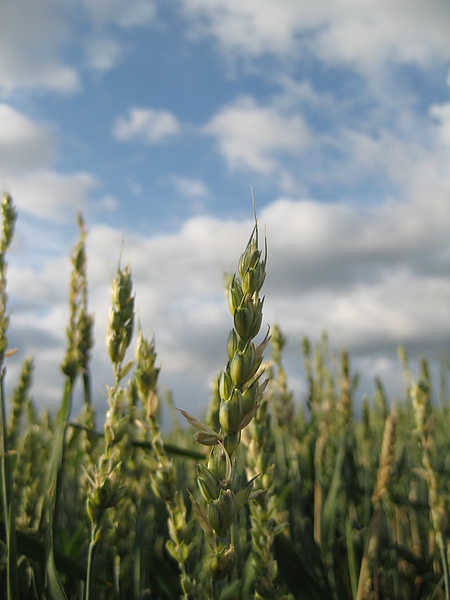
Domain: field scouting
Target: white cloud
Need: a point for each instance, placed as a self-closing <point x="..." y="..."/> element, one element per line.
<point x="105" y="203"/>
<point x="51" y="196"/>
<point x="188" y="186"/>
<point x="39" y="39"/>
<point x="24" y="144"/>
<point x="146" y="125"/>
<point x="338" y="245"/>
<point x="295" y="92"/>
<point x="32" y="35"/>
<point x="27" y="150"/>
<point x="252" y="28"/>
<point x="366" y="35"/>
<point x="256" y="137"/>
<point x="103" y="54"/>
<point x="358" y="154"/>
<point x="441" y="113"/>
<point x="126" y="14"/>
<point x="360" y="34"/>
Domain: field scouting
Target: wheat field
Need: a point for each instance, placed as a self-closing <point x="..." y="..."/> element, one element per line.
<point x="262" y="497"/>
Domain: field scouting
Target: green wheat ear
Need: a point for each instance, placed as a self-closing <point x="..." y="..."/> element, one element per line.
<point x="384" y="476"/>
<point x="106" y="486"/>
<point x="240" y="395"/>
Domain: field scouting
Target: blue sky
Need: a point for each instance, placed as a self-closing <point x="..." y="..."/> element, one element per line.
<point x="155" y="119"/>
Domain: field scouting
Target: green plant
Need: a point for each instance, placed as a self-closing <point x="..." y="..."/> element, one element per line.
<point x="222" y="485"/>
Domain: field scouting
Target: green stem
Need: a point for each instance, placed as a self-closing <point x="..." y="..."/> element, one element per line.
<point x="87" y="388"/>
<point x="441" y="544"/>
<point x="92" y="552"/>
<point x="56" y="465"/>
<point x="216" y="588"/>
<point x="117" y="576"/>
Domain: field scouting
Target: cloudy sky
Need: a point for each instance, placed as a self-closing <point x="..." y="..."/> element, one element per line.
<point x="155" y="119"/>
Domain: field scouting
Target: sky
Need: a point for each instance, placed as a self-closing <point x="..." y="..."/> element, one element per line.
<point x="157" y="119"/>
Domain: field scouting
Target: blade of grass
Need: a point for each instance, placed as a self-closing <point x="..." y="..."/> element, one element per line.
<point x="55" y="588"/>
<point x="58" y="442"/>
<point x="351" y="556"/>
<point x="331" y="504"/>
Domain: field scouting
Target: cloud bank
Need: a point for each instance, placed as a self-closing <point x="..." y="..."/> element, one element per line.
<point x="366" y="278"/>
